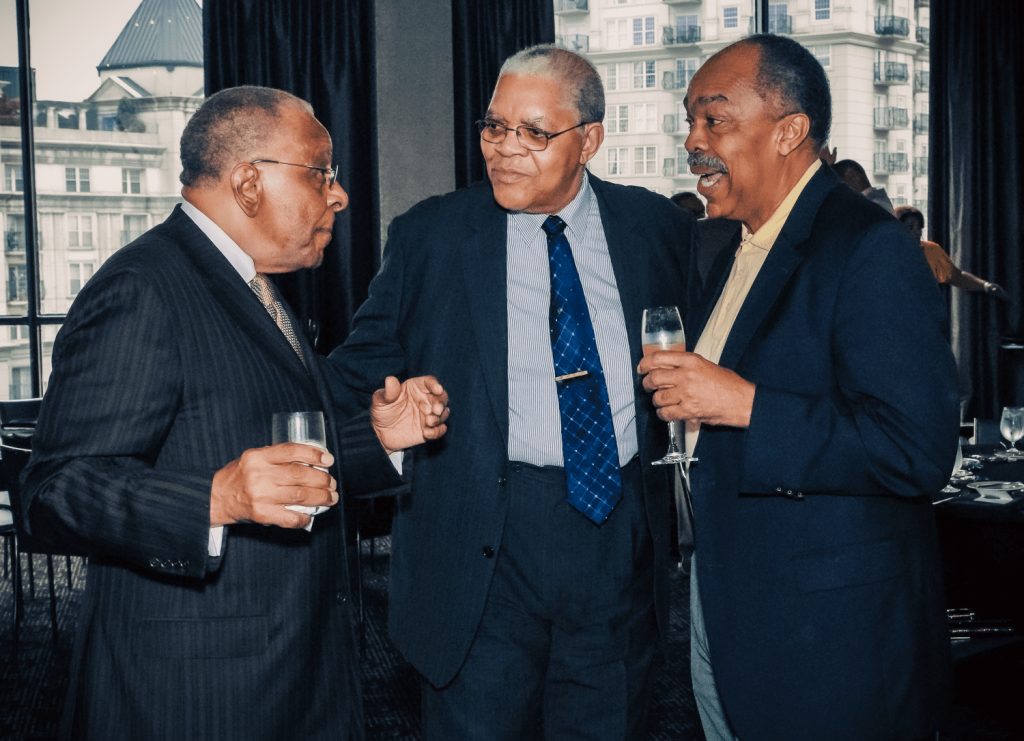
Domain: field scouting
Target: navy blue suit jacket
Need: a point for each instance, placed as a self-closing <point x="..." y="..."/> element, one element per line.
<point x="438" y="307"/>
<point x="817" y="558"/>
<point x="168" y="368"/>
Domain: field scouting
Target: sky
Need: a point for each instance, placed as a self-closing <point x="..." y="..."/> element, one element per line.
<point x="69" y="38"/>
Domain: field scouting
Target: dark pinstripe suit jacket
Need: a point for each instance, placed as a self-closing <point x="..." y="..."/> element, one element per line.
<point x="167" y="368"/>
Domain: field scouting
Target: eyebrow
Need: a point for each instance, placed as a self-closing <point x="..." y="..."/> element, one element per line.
<point x="706" y="99"/>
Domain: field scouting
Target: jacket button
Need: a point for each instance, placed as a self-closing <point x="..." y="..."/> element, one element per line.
<point x="501" y="481"/>
<point x="488" y="551"/>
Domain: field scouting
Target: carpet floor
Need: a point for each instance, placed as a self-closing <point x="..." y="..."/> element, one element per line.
<point x="32" y="690"/>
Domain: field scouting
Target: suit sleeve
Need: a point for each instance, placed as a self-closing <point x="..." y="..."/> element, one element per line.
<point x="94" y="484"/>
<point x="889" y="422"/>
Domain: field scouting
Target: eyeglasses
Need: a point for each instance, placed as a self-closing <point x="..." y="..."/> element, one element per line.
<point x="330" y="173"/>
<point x="534" y="139"/>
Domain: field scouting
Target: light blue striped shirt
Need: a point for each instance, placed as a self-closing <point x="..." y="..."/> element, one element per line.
<point x="535" y="425"/>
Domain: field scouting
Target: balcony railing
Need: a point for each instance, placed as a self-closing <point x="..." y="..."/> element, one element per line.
<point x="780" y="25"/>
<point x="922" y="34"/>
<point x="922" y="80"/>
<point x="672" y="35"/>
<point x="921" y="123"/>
<point x="891" y="73"/>
<point x="668" y="80"/>
<point x="668" y="167"/>
<point x="578" y="43"/>
<point x="681" y="2"/>
<point x="567" y="7"/>
<point x="887" y="162"/>
<point x="892" y="118"/>
<point x="922" y="3"/>
<point x="898" y="201"/>
<point x="672" y="123"/>
<point x="921" y="206"/>
<point x="891" y="25"/>
<point x="920" y="167"/>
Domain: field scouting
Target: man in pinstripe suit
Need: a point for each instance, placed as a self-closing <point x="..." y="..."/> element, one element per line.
<point x="211" y="609"/>
<point x="516" y="607"/>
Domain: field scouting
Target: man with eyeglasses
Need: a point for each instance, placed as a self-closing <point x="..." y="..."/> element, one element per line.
<point x="534" y="544"/>
<point x="216" y="607"/>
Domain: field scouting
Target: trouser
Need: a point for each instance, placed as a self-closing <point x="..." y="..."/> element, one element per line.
<point x="566" y="642"/>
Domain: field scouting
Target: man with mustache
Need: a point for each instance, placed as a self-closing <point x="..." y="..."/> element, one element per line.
<point x="534" y="545"/>
<point x="821" y="405"/>
<point x="213" y="609"/>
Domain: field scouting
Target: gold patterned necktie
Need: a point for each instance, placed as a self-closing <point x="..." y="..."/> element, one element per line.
<point x="262" y="288"/>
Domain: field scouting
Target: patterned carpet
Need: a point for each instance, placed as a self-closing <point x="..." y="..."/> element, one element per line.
<point x="989" y="687"/>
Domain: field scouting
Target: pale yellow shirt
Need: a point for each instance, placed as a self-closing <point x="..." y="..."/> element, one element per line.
<point x="750" y="257"/>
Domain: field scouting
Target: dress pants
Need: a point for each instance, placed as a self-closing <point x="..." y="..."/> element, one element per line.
<point x="705" y="691"/>
<point x="568" y="634"/>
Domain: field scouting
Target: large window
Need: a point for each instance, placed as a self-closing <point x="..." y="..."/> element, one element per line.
<point x="822" y="10"/>
<point x="645" y="160"/>
<point x="643" y="75"/>
<point x="99" y="174"/>
<point x="617" y="76"/>
<point x="731" y="17"/>
<point x="645" y="118"/>
<point x="685" y="70"/>
<point x="643" y="31"/>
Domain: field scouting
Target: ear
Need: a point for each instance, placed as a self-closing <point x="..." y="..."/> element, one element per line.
<point x="247" y="188"/>
<point x="593" y="137"/>
<point x="792" y="132"/>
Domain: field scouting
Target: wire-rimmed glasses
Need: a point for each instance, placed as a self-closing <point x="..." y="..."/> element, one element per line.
<point x="534" y="139"/>
<point x="330" y="173"/>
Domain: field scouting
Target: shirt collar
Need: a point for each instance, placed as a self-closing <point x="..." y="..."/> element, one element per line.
<point x="575" y="215"/>
<point x="238" y="258"/>
<point x="764" y="238"/>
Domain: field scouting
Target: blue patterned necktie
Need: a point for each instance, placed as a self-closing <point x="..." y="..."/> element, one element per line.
<point x="588" y="435"/>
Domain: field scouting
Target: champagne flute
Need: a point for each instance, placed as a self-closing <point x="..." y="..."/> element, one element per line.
<point x="1011" y="424"/>
<point x="663" y="330"/>
<point x="306" y="428"/>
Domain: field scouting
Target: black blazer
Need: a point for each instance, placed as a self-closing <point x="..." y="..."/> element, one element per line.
<point x="817" y="557"/>
<point x="438" y="307"/>
<point x="167" y="368"/>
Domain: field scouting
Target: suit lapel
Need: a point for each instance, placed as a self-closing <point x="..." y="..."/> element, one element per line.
<point x="232" y="293"/>
<point x="483" y="257"/>
<point x="789" y="250"/>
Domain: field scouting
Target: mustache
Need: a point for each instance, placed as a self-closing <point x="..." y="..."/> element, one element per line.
<point x="696" y="159"/>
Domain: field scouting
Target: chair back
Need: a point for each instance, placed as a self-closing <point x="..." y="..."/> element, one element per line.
<point x="18" y="420"/>
<point x="986" y="432"/>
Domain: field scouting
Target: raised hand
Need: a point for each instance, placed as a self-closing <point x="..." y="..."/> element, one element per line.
<point x="409" y="413"/>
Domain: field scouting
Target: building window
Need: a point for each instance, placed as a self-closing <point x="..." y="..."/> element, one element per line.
<point x="643" y="31"/>
<point x="617" y="77"/>
<point x="616" y="119"/>
<point x="731" y="17"/>
<point x="131" y="180"/>
<point x="17" y="283"/>
<point x="685" y="70"/>
<point x="682" y="165"/>
<point x="823" y="54"/>
<point x="645" y="117"/>
<point x="14" y="238"/>
<point x="80" y="231"/>
<point x="618" y="34"/>
<point x="645" y="160"/>
<point x="684" y="23"/>
<point x="643" y="75"/>
<point x="77" y="179"/>
<point x="21" y="383"/>
<point x="822" y="10"/>
<point x="79" y="273"/>
<point x="134" y="226"/>
<point x="13" y="179"/>
<point x="18" y="332"/>
<point x="618" y="161"/>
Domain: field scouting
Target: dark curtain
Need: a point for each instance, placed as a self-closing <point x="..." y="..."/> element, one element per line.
<point x="484" y="34"/>
<point x="977" y="186"/>
<point x="323" y="52"/>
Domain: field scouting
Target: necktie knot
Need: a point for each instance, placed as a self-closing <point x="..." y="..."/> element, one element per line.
<point x="553" y="226"/>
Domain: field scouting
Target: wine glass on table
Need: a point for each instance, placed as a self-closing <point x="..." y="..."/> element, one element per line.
<point x="306" y="428"/>
<point x="1011" y="424"/>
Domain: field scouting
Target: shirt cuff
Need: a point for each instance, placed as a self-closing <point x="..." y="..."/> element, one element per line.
<point x="216" y="541"/>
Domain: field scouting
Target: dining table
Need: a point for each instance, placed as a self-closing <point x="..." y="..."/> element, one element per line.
<point x="980" y="520"/>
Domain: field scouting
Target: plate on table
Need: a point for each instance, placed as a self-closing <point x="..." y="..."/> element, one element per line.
<point x="996" y="486"/>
